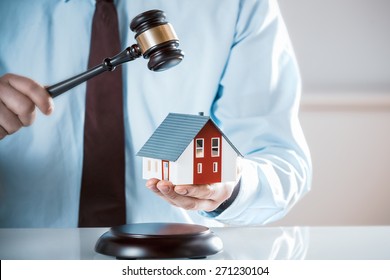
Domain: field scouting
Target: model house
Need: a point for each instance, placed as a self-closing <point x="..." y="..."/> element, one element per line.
<point x="189" y="149"/>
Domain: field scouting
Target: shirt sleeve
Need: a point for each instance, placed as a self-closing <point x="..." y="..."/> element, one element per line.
<point x="257" y="108"/>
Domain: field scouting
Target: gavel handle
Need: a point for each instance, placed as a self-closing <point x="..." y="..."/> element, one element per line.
<point x="66" y="85"/>
<point x="108" y="64"/>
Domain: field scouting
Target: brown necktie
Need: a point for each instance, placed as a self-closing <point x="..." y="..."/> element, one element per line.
<point x="102" y="196"/>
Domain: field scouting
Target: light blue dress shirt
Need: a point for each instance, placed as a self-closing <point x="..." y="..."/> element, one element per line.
<point x="239" y="68"/>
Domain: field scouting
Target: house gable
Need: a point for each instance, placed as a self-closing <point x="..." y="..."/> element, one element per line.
<point x="207" y="164"/>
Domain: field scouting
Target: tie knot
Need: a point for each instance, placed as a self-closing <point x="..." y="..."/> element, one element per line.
<point x="106" y="12"/>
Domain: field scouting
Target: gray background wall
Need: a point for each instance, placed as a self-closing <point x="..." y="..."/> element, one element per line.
<point x="341" y="44"/>
<point x="343" y="48"/>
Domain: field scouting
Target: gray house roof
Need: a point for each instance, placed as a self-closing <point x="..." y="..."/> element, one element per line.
<point x="174" y="135"/>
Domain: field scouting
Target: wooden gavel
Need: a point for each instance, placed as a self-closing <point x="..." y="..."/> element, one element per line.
<point x="156" y="41"/>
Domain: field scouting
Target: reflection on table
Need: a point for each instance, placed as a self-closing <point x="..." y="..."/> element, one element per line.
<point x="255" y="243"/>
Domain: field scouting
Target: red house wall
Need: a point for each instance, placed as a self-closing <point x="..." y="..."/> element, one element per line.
<point x="207" y="176"/>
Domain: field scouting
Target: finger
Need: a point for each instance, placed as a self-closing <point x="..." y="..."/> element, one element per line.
<point x="18" y="103"/>
<point x="197" y="191"/>
<point x="218" y="192"/>
<point x="3" y="132"/>
<point x="37" y="93"/>
<point x="152" y="182"/>
<point x="154" y="189"/>
<point x="9" y="121"/>
<point x="195" y="204"/>
<point x="151" y="185"/>
<point x="167" y="189"/>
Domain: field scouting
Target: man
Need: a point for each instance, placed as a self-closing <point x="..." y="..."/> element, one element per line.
<point x="239" y="68"/>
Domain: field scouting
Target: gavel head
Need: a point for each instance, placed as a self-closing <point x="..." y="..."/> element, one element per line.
<point x="157" y="40"/>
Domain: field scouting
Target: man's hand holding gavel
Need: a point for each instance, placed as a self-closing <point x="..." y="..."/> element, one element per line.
<point x="19" y="97"/>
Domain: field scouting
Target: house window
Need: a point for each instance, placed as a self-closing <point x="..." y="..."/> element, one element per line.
<point x="149" y="165"/>
<point x="215" y="147"/>
<point x="215" y="167"/>
<point x="199" y="168"/>
<point x="155" y="166"/>
<point x="199" y="148"/>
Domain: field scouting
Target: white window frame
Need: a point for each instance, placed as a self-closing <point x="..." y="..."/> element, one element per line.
<point x="199" y="168"/>
<point x="199" y="149"/>
<point x="218" y="147"/>
<point x="215" y="167"/>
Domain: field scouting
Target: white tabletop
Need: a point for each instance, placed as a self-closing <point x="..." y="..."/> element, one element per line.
<point x="264" y="243"/>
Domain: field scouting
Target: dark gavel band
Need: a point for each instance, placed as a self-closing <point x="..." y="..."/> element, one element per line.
<point x="156" y="41"/>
